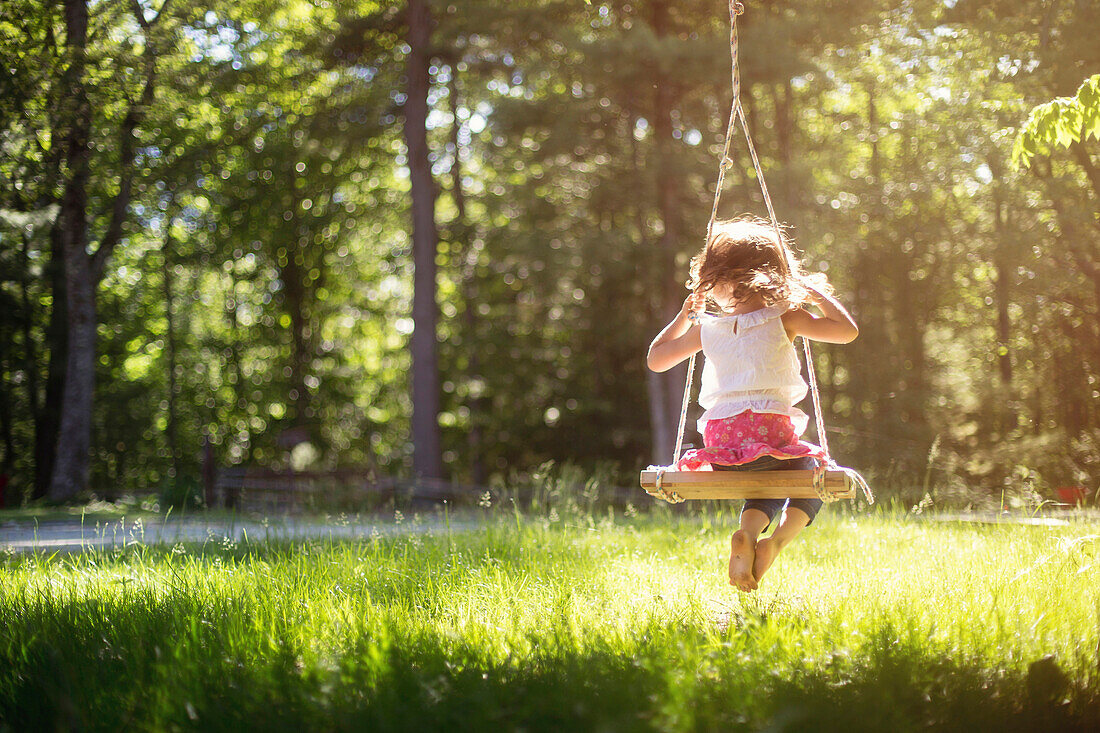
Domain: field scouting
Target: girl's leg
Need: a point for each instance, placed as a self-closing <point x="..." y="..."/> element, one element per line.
<point x="743" y="548"/>
<point x="756" y="516"/>
<point x="794" y="521"/>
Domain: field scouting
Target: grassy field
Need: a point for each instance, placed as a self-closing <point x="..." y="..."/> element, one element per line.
<point x="876" y="622"/>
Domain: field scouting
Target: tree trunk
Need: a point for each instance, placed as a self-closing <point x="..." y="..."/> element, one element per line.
<point x="46" y="426"/>
<point x="911" y="305"/>
<point x="748" y="103"/>
<point x="864" y="360"/>
<point x="1081" y="248"/>
<point x="784" y="128"/>
<point x="662" y="430"/>
<point x="70" y="471"/>
<point x="234" y="369"/>
<point x="427" y="458"/>
<point x="1003" y="266"/>
<point x="294" y="288"/>
<point x="1070" y="379"/>
<point x="668" y="202"/>
<point x="70" y="474"/>
<point x="170" y="349"/>
<point x="1090" y="404"/>
<point x="468" y="259"/>
<point x="30" y="352"/>
<point x="7" y="366"/>
<point x="910" y="322"/>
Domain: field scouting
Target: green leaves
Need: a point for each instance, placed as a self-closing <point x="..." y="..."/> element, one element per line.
<point x="1060" y="123"/>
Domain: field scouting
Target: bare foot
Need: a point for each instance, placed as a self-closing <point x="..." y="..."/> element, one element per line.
<point x="766" y="551"/>
<point x="742" y="555"/>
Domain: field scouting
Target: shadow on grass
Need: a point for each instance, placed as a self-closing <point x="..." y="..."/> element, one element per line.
<point x="175" y="662"/>
<point x="893" y="688"/>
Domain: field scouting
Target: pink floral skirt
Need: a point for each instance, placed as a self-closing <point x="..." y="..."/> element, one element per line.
<point x="733" y="441"/>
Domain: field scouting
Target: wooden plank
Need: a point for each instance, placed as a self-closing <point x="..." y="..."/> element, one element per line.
<point x="746" y="484"/>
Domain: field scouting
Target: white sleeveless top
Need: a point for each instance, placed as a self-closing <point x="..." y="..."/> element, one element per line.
<point x="750" y="364"/>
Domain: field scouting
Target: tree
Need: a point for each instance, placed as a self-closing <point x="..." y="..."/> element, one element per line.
<point x="84" y="270"/>
<point x="427" y="455"/>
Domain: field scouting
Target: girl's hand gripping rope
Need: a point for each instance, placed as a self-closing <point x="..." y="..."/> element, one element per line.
<point x="694" y="304"/>
<point x="680" y="338"/>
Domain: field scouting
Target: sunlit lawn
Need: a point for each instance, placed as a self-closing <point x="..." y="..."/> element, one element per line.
<point x="588" y="622"/>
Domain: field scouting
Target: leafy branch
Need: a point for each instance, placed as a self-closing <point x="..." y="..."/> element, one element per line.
<point x="1061" y="122"/>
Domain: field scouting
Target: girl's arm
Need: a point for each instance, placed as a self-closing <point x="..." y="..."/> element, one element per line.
<point x="835" y="326"/>
<point x="678" y="340"/>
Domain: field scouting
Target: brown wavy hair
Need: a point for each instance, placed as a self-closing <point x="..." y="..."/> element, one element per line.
<point x="746" y="255"/>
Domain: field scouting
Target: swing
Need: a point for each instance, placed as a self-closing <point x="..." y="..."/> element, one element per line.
<point x="829" y="482"/>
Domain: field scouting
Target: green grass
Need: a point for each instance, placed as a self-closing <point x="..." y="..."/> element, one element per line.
<point x="591" y="622"/>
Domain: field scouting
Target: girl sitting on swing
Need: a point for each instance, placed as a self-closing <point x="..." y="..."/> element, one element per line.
<point x="751" y="374"/>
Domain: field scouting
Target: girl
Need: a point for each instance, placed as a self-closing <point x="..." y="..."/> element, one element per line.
<point x="751" y="375"/>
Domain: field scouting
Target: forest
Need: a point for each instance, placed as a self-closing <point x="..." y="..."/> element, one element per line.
<point x="435" y="239"/>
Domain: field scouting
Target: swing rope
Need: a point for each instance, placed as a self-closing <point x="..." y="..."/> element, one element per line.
<point x="737" y="114"/>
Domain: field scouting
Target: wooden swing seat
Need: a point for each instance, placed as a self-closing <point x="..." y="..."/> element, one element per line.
<point x="747" y="484"/>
